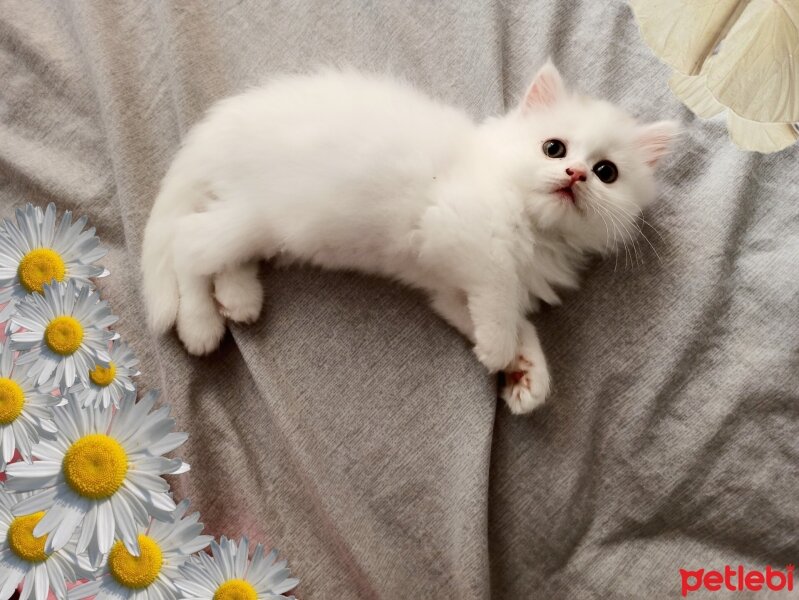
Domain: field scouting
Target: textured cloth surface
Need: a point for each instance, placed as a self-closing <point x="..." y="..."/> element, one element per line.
<point x="353" y="429"/>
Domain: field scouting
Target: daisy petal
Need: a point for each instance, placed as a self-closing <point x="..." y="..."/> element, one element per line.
<point x="36" y="502"/>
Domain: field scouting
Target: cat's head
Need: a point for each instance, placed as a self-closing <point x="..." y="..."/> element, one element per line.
<point x="584" y="167"/>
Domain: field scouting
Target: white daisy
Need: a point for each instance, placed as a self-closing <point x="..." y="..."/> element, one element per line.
<point x="108" y="385"/>
<point x="101" y="475"/>
<point x="66" y="333"/>
<point x="25" y="412"/>
<point x="23" y="557"/>
<point x="34" y="252"/>
<point x="231" y="575"/>
<point x="165" y="546"/>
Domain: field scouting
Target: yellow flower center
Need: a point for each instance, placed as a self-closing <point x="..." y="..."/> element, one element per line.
<point x="63" y="335"/>
<point x="103" y="376"/>
<point x="136" y="572"/>
<point x="21" y="540"/>
<point x="12" y="399"/>
<point x="95" y="466"/>
<point x="40" y="266"/>
<point x="236" y="589"/>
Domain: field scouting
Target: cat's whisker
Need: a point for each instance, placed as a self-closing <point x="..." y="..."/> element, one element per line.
<point x="616" y="236"/>
<point x="624" y="221"/>
<point x="597" y="211"/>
<point x="628" y="238"/>
<point x="633" y="221"/>
<point x="618" y="226"/>
<point x="626" y="218"/>
<point x="616" y="220"/>
<point x="607" y="228"/>
<point x="652" y="227"/>
<point x="646" y="238"/>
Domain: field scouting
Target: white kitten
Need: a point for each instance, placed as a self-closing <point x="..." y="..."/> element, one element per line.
<point x="347" y="171"/>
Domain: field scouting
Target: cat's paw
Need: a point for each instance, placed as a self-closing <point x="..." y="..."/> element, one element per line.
<point x="239" y="294"/>
<point x="526" y="384"/>
<point x="199" y="328"/>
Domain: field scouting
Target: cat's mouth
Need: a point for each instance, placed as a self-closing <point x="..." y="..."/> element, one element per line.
<point x="567" y="193"/>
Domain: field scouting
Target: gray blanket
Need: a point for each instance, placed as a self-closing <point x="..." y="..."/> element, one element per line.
<point x="353" y="429"/>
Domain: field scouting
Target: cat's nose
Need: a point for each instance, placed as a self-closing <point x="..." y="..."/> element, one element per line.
<point x="576" y="174"/>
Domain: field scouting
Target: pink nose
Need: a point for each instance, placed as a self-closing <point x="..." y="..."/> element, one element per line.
<point x="575" y="174"/>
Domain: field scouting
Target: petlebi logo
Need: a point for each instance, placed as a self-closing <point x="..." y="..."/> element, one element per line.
<point x="736" y="579"/>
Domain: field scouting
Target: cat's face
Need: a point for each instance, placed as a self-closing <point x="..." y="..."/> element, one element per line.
<point x="585" y="167"/>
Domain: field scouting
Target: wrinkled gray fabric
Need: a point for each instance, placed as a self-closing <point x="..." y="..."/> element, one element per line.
<point x="354" y="430"/>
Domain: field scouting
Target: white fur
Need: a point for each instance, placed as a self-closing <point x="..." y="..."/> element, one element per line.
<point x="348" y="171"/>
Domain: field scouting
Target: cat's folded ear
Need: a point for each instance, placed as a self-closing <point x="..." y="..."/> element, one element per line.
<point x="654" y="140"/>
<point x="545" y="90"/>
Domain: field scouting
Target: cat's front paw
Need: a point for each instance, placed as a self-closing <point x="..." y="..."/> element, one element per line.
<point x="200" y="327"/>
<point x="239" y="294"/>
<point x="526" y="384"/>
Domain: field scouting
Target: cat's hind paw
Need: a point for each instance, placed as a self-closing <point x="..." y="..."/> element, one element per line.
<point x="526" y="385"/>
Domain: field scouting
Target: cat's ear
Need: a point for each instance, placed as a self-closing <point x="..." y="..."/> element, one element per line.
<point x="547" y="88"/>
<point x="655" y="139"/>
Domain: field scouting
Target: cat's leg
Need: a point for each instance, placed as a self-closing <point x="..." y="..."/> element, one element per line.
<point x="527" y="377"/>
<point x="451" y="306"/>
<point x="207" y="243"/>
<point x="526" y="373"/>
<point x="495" y="311"/>
<point x="239" y="292"/>
<point x="212" y="241"/>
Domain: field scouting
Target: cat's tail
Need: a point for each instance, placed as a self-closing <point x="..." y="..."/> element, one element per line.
<point x="176" y="198"/>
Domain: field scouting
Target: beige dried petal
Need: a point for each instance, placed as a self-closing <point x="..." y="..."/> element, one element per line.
<point x="756" y="71"/>
<point x="683" y="33"/>
<point x="693" y="92"/>
<point x="760" y="137"/>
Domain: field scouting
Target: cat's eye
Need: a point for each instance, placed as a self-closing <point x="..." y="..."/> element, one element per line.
<point x="606" y="171"/>
<point x="554" y="148"/>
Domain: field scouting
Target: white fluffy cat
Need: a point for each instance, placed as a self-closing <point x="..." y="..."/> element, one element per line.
<point x="348" y="171"/>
